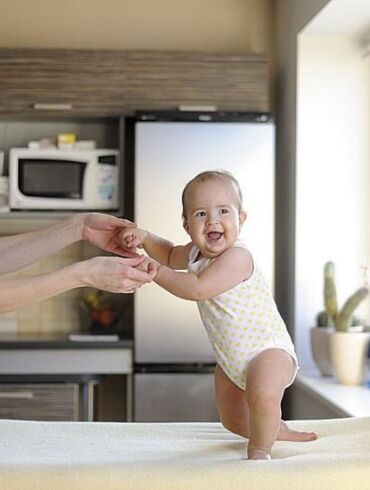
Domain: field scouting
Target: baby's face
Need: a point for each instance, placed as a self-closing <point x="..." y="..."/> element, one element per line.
<point x="213" y="219"/>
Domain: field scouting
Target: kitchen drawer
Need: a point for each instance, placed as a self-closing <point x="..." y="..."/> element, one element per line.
<point x="46" y="401"/>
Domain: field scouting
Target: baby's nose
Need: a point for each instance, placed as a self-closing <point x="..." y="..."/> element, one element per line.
<point x="212" y="218"/>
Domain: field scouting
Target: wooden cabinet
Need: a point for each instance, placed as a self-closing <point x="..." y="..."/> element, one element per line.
<point x="47" y="401"/>
<point x="64" y="82"/>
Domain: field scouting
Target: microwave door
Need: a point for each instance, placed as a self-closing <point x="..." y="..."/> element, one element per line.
<point x="51" y="184"/>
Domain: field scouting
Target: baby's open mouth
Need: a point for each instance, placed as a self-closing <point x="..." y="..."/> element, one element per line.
<point x="214" y="235"/>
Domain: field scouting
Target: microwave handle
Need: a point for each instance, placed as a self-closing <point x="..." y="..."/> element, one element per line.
<point x="53" y="107"/>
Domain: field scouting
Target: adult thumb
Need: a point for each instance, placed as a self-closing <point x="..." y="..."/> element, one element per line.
<point x="134" y="261"/>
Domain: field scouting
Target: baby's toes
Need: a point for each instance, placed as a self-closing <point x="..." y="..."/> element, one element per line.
<point x="310" y="436"/>
<point x="287" y="434"/>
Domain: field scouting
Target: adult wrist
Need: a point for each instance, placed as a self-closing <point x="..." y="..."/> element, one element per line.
<point x="77" y="275"/>
<point x="79" y="221"/>
<point x="71" y="276"/>
<point x="72" y="227"/>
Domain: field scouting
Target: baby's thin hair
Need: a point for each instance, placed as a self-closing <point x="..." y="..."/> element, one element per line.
<point x="212" y="175"/>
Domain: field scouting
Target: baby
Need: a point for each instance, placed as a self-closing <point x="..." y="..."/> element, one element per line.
<point x="255" y="356"/>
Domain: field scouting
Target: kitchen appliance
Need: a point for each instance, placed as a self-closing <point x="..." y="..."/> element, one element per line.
<point x="54" y="179"/>
<point x="174" y="361"/>
<point x="4" y="186"/>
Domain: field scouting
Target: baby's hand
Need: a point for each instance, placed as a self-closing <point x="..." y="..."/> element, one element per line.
<point x="148" y="265"/>
<point x="132" y="238"/>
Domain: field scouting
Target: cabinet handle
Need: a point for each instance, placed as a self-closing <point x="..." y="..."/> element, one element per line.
<point x="20" y="395"/>
<point x="53" y="107"/>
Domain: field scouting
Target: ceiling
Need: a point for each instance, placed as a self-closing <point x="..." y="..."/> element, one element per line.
<point x="342" y="17"/>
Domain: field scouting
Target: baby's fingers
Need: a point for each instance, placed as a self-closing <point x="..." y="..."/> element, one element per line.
<point x="133" y="242"/>
<point x="128" y="240"/>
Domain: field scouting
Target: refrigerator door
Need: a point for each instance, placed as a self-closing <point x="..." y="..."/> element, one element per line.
<point x="178" y="397"/>
<point x="168" y="155"/>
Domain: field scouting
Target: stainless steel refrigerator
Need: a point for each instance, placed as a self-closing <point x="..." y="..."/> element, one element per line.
<point x="174" y="361"/>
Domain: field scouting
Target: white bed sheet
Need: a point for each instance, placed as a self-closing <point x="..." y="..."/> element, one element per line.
<point x="129" y="456"/>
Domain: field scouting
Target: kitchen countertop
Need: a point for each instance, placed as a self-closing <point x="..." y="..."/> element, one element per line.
<point x="54" y="353"/>
<point x="60" y="340"/>
<point x="37" y="357"/>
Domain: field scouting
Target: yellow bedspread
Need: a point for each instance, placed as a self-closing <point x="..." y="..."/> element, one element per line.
<point x="106" y="456"/>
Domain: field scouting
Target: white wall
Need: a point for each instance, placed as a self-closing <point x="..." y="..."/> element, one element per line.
<point x="208" y="25"/>
<point x="333" y="174"/>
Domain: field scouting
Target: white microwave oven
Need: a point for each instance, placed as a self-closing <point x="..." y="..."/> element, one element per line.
<point x="53" y="179"/>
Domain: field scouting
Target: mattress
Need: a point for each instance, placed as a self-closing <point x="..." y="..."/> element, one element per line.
<point x="134" y="456"/>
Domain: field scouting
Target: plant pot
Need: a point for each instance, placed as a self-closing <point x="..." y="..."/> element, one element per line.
<point x="348" y="351"/>
<point x="320" y="348"/>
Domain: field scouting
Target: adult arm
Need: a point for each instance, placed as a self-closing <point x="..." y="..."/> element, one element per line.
<point x="18" y="251"/>
<point x="226" y="271"/>
<point x="113" y="274"/>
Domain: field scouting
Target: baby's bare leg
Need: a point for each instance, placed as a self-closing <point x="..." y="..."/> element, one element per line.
<point x="267" y="377"/>
<point x="232" y="406"/>
<point x="233" y="411"/>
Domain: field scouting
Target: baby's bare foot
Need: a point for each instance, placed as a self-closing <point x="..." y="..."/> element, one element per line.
<point x="287" y="434"/>
<point x="258" y="453"/>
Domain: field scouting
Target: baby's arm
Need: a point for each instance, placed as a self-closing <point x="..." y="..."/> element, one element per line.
<point x="226" y="271"/>
<point x="160" y="249"/>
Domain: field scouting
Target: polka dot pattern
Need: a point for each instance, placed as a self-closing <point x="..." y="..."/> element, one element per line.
<point x="241" y="322"/>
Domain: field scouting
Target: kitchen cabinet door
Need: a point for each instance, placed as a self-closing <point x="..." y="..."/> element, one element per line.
<point x="113" y="82"/>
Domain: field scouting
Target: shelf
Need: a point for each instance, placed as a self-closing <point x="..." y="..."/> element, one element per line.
<point x="348" y="401"/>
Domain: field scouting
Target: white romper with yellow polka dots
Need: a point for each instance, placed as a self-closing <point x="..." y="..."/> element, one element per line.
<point x="241" y="322"/>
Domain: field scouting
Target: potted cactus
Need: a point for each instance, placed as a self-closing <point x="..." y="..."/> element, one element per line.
<point x="348" y="344"/>
<point x="334" y="353"/>
<point x="342" y="319"/>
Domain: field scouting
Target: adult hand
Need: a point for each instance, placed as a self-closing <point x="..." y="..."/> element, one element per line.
<point x="148" y="265"/>
<point x="102" y="230"/>
<point x="115" y="274"/>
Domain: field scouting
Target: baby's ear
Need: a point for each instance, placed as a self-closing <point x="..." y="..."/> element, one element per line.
<point x="242" y="217"/>
<point x="185" y="226"/>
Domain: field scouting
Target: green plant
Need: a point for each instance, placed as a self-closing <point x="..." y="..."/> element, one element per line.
<point x="341" y="319"/>
<point x="322" y="319"/>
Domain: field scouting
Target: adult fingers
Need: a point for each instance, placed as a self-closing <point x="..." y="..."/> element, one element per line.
<point x="152" y="269"/>
<point x="122" y="222"/>
<point x="126" y="223"/>
<point x="126" y="252"/>
<point x="138" y="277"/>
<point x="133" y="261"/>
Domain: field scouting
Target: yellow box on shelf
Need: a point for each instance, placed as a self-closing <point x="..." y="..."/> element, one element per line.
<point x="66" y="140"/>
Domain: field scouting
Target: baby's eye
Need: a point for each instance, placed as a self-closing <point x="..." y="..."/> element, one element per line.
<point x="224" y="211"/>
<point x="200" y="214"/>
